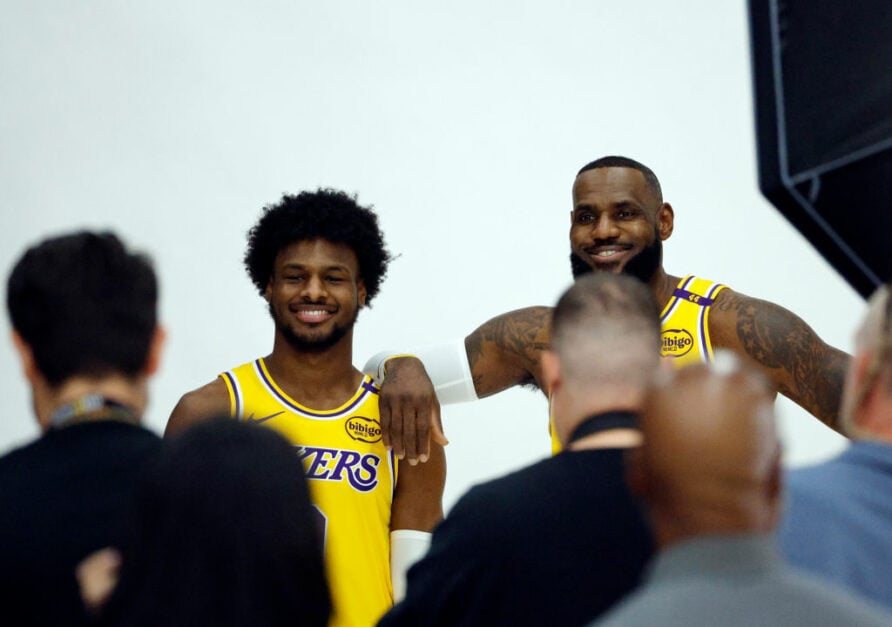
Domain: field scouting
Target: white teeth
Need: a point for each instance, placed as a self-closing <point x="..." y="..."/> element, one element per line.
<point x="606" y="253"/>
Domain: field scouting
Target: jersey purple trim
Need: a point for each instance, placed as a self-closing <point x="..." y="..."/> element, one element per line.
<point x="701" y="324"/>
<point x="675" y="300"/>
<point x="703" y="301"/>
<point x="235" y="393"/>
<point x="706" y="301"/>
<point x="303" y="410"/>
<point x="369" y="386"/>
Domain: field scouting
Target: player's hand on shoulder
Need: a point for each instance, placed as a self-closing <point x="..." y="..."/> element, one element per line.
<point x="410" y="412"/>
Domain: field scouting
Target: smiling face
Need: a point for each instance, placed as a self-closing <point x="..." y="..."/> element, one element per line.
<point x="315" y="293"/>
<point x="618" y="223"/>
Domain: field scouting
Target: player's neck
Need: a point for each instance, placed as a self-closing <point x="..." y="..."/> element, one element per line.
<point x="320" y="380"/>
<point x="663" y="285"/>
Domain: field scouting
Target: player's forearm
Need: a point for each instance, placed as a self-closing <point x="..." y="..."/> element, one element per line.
<point x="505" y="351"/>
<point x="819" y="389"/>
<point x="418" y="499"/>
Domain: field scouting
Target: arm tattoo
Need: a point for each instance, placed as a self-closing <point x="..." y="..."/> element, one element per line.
<point x="812" y="372"/>
<point x="510" y="342"/>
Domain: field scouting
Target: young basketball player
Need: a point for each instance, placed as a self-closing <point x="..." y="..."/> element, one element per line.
<point x="318" y="258"/>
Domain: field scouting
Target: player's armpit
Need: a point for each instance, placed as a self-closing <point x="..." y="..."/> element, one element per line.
<point x="801" y="366"/>
<point x="208" y="401"/>
<point x="505" y="351"/>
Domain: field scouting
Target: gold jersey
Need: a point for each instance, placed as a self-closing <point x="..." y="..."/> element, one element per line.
<point x="685" y="321"/>
<point x="685" y="329"/>
<point x="351" y="478"/>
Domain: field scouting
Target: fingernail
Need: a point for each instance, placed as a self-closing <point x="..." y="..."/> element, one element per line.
<point x="422" y="458"/>
<point x="413" y="462"/>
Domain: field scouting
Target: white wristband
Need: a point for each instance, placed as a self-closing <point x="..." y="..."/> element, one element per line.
<point x="376" y="366"/>
<point x="407" y="546"/>
<point x="446" y="365"/>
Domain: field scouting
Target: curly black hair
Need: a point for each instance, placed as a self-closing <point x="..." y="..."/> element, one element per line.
<point x="326" y="214"/>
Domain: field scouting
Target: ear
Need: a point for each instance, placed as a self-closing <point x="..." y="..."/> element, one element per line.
<point x="268" y="292"/>
<point x="861" y="365"/>
<point x="361" y="293"/>
<point x="852" y="401"/>
<point x="551" y="371"/>
<point x="153" y="360"/>
<point x="26" y="354"/>
<point x="665" y="220"/>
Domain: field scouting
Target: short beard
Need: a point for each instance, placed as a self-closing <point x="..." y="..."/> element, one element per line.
<point x="306" y="345"/>
<point x="642" y="266"/>
<point x="579" y="266"/>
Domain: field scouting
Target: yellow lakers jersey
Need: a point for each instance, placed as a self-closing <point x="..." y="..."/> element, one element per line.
<point x="685" y="329"/>
<point x="685" y="321"/>
<point x="351" y="478"/>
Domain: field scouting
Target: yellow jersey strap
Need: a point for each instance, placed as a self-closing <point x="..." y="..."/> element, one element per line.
<point x="697" y="291"/>
<point x="685" y="320"/>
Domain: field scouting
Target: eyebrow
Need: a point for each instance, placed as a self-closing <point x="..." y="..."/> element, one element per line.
<point x="300" y="266"/>
<point x="620" y="204"/>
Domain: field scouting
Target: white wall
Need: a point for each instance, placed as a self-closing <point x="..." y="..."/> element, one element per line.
<point x="462" y="122"/>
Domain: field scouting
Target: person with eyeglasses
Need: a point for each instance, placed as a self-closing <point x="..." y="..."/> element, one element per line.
<point x="838" y="517"/>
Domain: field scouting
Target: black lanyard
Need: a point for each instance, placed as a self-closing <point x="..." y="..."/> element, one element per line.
<point x="604" y="422"/>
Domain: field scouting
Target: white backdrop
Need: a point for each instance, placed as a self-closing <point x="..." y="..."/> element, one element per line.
<point x="464" y="123"/>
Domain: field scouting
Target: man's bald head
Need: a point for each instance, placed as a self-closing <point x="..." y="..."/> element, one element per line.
<point x="711" y="457"/>
<point x="606" y="327"/>
<point x="605" y="348"/>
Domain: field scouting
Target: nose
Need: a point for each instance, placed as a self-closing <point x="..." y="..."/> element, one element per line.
<point x="314" y="289"/>
<point x="605" y="228"/>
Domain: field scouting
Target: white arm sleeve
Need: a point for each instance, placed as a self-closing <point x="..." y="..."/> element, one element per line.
<point x="446" y="365"/>
<point x="407" y="546"/>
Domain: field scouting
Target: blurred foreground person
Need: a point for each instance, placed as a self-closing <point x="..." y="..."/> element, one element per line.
<point x="559" y="542"/>
<point x="83" y="313"/>
<point x="838" y="518"/>
<point x="224" y="535"/>
<point x="709" y="470"/>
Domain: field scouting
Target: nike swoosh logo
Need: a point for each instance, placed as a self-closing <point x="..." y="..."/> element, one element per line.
<point x="264" y="418"/>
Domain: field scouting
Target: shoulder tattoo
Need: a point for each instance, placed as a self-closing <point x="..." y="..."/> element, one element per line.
<point x="522" y="334"/>
<point x="812" y="371"/>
